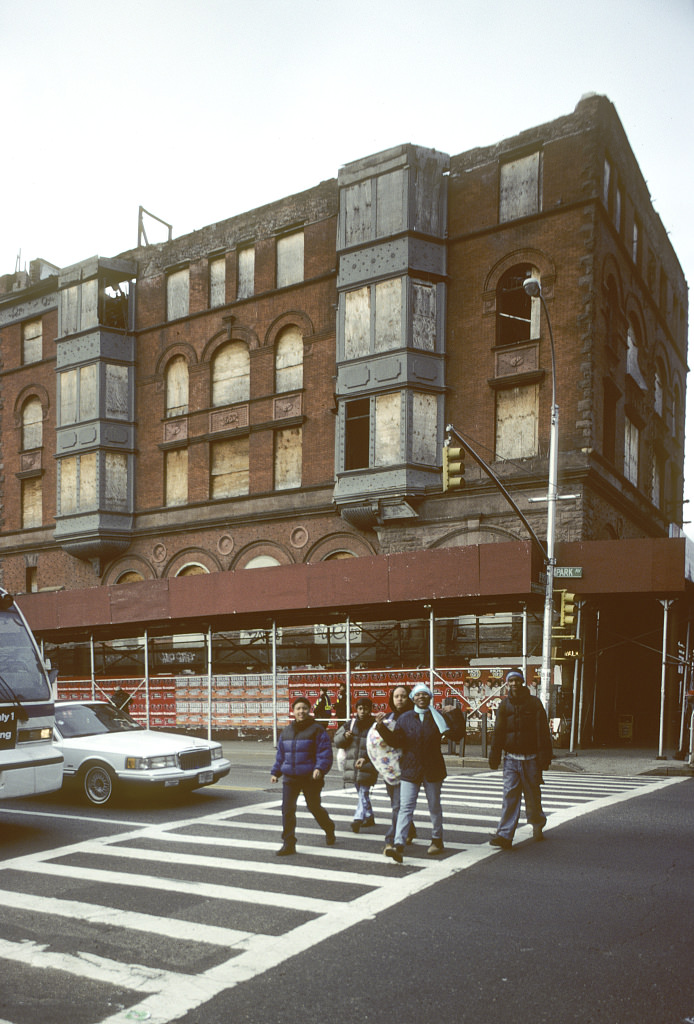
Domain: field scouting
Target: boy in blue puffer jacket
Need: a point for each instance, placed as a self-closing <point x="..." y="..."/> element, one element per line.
<point x="304" y="757"/>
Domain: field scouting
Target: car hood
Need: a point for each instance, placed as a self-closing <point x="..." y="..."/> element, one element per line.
<point x="139" y="742"/>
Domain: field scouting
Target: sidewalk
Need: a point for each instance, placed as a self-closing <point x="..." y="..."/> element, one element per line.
<point x="619" y="761"/>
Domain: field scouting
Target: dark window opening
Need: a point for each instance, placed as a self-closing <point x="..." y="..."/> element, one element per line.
<point x="357" y="433"/>
<point x="513" y="307"/>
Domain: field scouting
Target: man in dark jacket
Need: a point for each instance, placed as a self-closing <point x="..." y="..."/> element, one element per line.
<point x="419" y="734"/>
<point x="304" y="757"/>
<point x="522" y="733"/>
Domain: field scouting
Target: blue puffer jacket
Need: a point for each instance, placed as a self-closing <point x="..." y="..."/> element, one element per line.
<point x="302" y="748"/>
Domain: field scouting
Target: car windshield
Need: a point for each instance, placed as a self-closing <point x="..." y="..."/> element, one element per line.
<point x="92" y="719"/>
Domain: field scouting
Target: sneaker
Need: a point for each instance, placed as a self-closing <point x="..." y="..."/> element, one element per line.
<point x="368" y="822"/>
<point x="501" y="841"/>
<point x="537" y="833"/>
<point x="356" y="825"/>
<point x="436" y="847"/>
<point x="387" y="847"/>
<point x="330" y="837"/>
<point x="286" y="850"/>
<point x="395" y="852"/>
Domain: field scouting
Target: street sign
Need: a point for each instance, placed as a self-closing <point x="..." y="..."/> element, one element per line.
<point x="567" y="648"/>
<point x="572" y="571"/>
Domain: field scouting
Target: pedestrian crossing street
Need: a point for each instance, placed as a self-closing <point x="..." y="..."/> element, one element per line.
<point x="167" y="916"/>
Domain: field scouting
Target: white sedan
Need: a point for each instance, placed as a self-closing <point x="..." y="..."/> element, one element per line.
<point x="104" y="748"/>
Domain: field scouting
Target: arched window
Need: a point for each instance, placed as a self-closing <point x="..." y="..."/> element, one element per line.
<point x="130" y="576"/>
<point x="659" y="389"/>
<point x="289" y="360"/>
<point x="517" y="314"/>
<point x="261" y="562"/>
<point x="177" y="387"/>
<point x="231" y="374"/>
<point x="193" y="569"/>
<point x="32" y="424"/>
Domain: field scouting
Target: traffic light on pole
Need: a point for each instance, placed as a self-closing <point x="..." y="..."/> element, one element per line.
<point x="453" y="468"/>
<point x="567" y="610"/>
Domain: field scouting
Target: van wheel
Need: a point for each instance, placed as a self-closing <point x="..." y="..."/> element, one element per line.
<point x="98" y="784"/>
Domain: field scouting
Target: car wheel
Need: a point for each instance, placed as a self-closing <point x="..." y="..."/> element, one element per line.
<point x="98" y="784"/>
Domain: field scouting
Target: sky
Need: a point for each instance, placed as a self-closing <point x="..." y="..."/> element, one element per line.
<point x="199" y="110"/>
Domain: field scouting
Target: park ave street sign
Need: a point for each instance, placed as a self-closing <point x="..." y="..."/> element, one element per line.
<point x="574" y="571"/>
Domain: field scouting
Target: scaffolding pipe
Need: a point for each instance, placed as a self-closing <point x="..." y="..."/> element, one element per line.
<point x="209" y="682"/>
<point x="574" y="698"/>
<point x="663" y="679"/>
<point x="146" y="645"/>
<point x="274" y="682"/>
<point x="348" y="665"/>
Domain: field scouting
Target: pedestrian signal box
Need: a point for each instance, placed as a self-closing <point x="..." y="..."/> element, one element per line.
<point x="453" y="468"/>
<point x="567" y="609"/>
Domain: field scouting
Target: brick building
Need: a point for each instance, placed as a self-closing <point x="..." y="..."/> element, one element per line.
<point x="272" y="392"/>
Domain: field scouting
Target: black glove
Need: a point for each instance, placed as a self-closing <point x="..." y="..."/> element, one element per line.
<point x="493" y="763"/>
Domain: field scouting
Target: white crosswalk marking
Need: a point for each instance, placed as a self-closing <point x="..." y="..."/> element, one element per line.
<point x="227" y="859"/>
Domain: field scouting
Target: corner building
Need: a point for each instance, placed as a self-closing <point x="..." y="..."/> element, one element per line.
<point x="272" y="392"/>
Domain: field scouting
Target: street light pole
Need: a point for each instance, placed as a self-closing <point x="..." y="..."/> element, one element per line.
<point x="532" y="288"/>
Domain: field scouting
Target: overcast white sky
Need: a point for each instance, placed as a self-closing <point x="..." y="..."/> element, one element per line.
<point x="202" y="109"/>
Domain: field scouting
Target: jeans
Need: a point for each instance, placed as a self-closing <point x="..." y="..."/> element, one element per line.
<point x="394" y="794"/>
<point x="364" y="809"/>
<point x="292" y="786"/>
<point x="521" y="778"/>
<point x="409" y="791"/>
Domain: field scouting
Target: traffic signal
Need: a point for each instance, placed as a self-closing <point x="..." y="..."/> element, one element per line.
<point x="567" y="610"/>
<point x="453" y="468"/>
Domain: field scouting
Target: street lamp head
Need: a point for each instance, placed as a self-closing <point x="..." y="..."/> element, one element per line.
<point x="531" y="286"/>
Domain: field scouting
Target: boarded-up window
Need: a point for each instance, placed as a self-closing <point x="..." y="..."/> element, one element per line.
<point x="657" y="482"/>
<point x="288" y="458"/>
<point x="32" y="502"/>
<point x="290" y="259"/>
<point x="177" y="387"/>
<point x="229" y="468"/>
<point x="289" y="360"/>
<point x="116" y="481"/>
<point x="177" y="291"/>
<point x="519" y="194"/>
<point x="387" y="446"/>
<point x="391" y="203"/>
<point x="217" y="269"/>
<point x="516" y="422"/>
<point x="70" y="310"/>
<point x="424" y="428"/>
<point x="116" y="392"/>
<point x="631" y="451"/>
<point x="32" y="341"/>
<point x="424" y="316"/>
<point x="32" y="424"/>
<point x="176" y="476"/>
<point x="658" y="390"/>
<point x="78" y="484"/>
<point x="356" y="204"/>
<point x="245" y="269"/>
<point x="231" y="374"/>
<point x="388" y="315"/>
<point x="357" y="323"/>
<point x="78" y="394"/>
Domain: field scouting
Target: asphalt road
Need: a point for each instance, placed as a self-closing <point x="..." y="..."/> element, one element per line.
<point x="593" y="925"/>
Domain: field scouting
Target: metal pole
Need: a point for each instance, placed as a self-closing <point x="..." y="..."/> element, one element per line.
<point x="209" y="682"/>
<point x="685" y="677"/>
<point x="579" y="605"/>
<point x="431" y="649"/>
<point x="551" y="526"/>
<point x="663" y="678"/>
<point x="348" y="665"/>
<point x="146" y="643"/>
<point x="274" y="682"/>
<point x="91" y="659"/>
<point x="525" y="641"/>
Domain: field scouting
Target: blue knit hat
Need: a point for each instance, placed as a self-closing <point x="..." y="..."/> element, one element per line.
<point x="515" y="673"/>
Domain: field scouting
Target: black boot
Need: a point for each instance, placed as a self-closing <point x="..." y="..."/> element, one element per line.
<point x="286" y="850"/>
